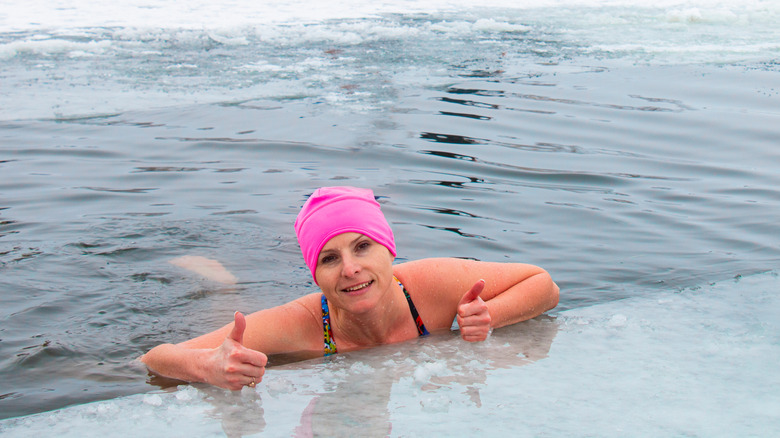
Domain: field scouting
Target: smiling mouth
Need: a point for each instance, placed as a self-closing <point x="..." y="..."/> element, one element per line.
<point x="358" y="286"/>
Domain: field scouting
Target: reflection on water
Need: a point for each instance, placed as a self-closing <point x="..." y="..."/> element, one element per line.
<point x="355" y="394"/>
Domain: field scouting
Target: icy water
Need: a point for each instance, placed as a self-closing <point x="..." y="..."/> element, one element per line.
<point x="632" y="151"/>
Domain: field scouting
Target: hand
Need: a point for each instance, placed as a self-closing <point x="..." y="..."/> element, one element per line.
<point x="235" y="366"/>
<point x="473" y="316"/>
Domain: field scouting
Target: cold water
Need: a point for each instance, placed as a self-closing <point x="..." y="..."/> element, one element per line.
<point x="632" y="151"/>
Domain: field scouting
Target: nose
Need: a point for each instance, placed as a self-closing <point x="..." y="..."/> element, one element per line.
<point x="350" y="266"/>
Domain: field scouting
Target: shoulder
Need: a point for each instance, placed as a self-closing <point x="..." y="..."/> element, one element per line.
<point x="426" y="274"/>
<point x="436" y="286"/>
<point x="442" y="266"/>
<point x="294" y="326"/>
<point x="436" y="273"/>
<point x="439" y="275"/>
<point x="451" y="273"/>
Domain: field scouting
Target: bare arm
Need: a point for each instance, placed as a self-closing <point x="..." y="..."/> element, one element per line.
<point x="228" y="365"/>
<point x="512" y="292"/>
<point x="235" y="355"/>
<point x="533" y="295"/>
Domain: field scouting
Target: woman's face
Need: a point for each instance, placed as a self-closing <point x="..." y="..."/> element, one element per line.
<point x="353" y="271"/>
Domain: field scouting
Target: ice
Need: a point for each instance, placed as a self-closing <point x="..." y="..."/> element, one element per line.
<point x="697" y="362"/>
<point x="52" y="47"/>
<point x="424" y="371"/>
<point x="153" y="400"/>
<point x="617" y="320"/>
<point x="199" y="13"/>
<point x="75" y="59"/>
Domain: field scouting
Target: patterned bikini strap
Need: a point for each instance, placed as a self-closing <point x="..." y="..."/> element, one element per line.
<point x="421" y="330"/>
<point x="329" y="344"/>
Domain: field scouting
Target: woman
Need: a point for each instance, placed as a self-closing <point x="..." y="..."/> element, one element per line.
<point x="365" y="301"/>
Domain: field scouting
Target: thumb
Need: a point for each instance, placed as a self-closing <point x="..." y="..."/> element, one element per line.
<point x="238" y="328"/>
<point x="473" y="293"/>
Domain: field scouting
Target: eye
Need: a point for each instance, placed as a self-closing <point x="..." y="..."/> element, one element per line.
<point x="327" y="259"/>
<point x="363" y="245"/>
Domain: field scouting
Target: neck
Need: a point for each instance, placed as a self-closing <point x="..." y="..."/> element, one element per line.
<point x="382" y="325"/>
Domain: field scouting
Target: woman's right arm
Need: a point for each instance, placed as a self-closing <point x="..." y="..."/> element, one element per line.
<point x="229" y="365"/>
<point x="235" y="355"/>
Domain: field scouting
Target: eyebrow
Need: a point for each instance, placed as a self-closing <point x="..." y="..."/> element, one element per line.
<point x="352" y="242"/>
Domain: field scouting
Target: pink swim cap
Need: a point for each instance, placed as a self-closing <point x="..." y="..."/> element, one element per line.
<point x="331" y="211"/>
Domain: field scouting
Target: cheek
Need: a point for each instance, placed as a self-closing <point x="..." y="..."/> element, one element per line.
<point x="322" y="275"/>
<point x="387" y="260"/>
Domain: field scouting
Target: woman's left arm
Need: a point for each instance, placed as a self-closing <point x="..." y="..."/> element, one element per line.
<point x="533" y="294"/>
<point x="512" y="292"/>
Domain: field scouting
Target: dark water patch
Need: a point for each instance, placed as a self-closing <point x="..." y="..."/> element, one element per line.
<point x="34" y="355"/>
<point x="466" y="182"/>
<point x="448" y="138"/>
<point x="545" y="147"/>
<point x="573" y="205"/>
<point x="457" y="231"/>
<point x="18" y="254"/>
<point x="510" y="175"/>
<point x="537" y="147"/>
<point x="87" y="245"/>
<point x="110" y="190"/>
<point x="476" y="92"/>
<point x="86" y="119"/>
<point x="446" y="154"/>
<point x="676" y="106"/>
<point x="148" y="276"/>
<point x="461" y="213"/>
<point x="674" y="102"/>
<point x="233" y="212"/>
<point x="493" y="106"/>
<point x="481" y="73"/>
<point x="213" y="140"/>
<point x="469" y="103"/>
<point x="168" y="169"/>
<point x="468" y="116"/>
<point x="148" y="214"/>
<point x="60" y="151"/>
<point x="8" y="226"/>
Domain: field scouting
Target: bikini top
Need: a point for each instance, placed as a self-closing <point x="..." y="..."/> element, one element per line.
<point x="330" y="344"/>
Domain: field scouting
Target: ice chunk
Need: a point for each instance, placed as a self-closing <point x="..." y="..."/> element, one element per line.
<point x="153" y="399"/>
<point x="424" y="372"/>
<point x="618" y="320"/>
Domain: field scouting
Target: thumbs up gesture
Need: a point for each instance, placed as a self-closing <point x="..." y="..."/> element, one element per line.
<point x="473" y="316"/>
<point x="235" y="366"/>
